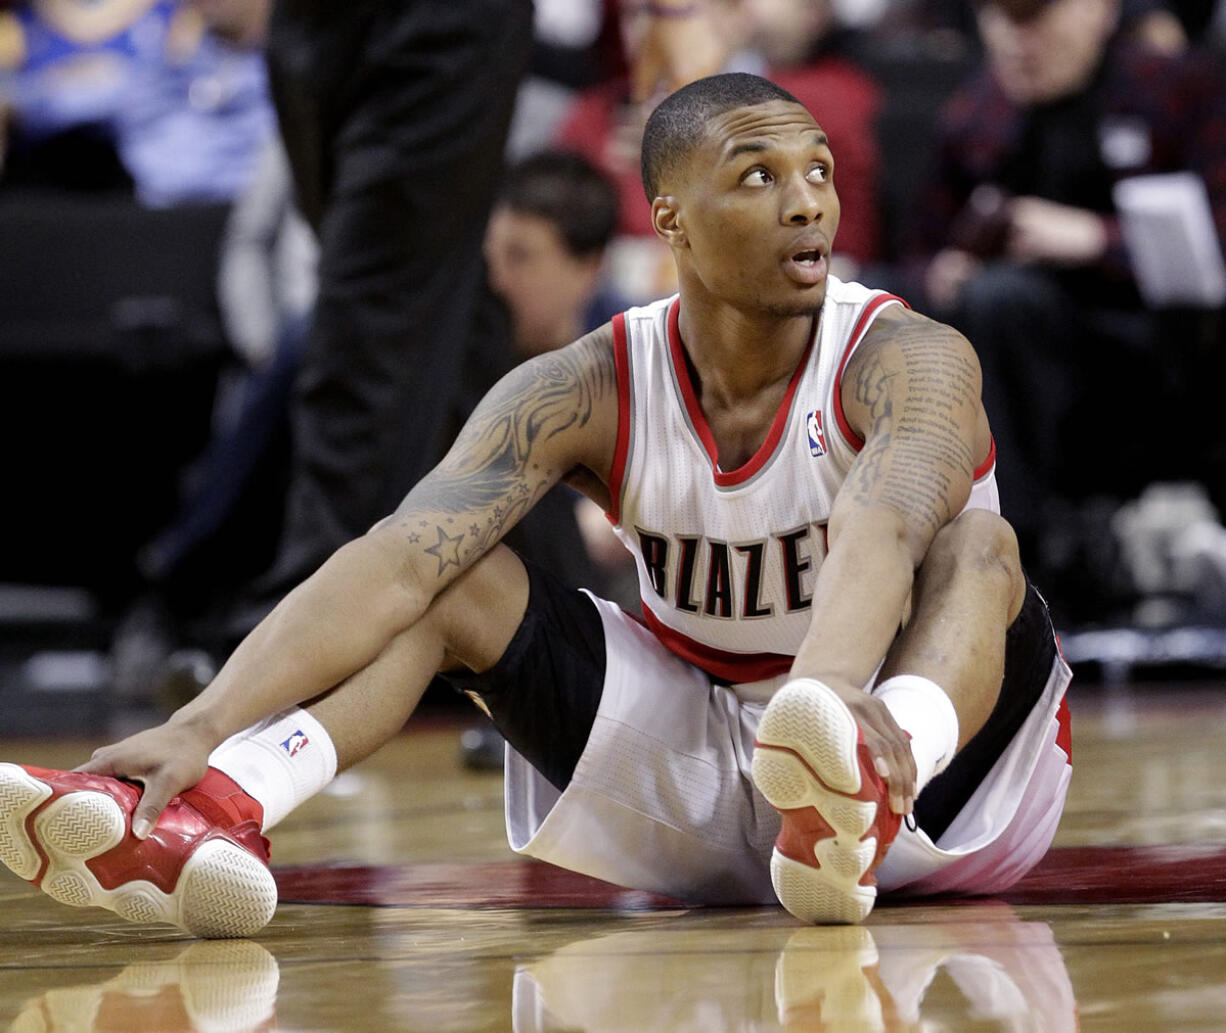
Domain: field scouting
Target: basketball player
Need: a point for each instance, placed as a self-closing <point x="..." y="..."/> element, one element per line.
<point x="838" y="634"/>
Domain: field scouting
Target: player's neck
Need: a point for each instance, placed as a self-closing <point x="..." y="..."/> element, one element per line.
<point x="737" y="355"/>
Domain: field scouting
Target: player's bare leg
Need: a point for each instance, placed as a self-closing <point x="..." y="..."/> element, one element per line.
<point x="469" y="625"/>
<point x="204" y="866"/>
<point x="967" y="593"/>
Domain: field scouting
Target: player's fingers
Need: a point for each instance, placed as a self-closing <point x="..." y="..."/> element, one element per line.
<point x="103" y="761"/>
<point x="909" y="770"/>
<point x="152" y="802"/>
<point x="896" y="785"/>
<point x="160" y="784"/>
<point x="895" y="763"/>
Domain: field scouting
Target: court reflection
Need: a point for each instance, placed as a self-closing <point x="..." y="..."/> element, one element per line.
<point x="924" y="970"/>
<point x="219" y="986"/>
<point x="983" y="968"/>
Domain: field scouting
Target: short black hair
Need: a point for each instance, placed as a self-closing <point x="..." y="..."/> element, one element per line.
<point x="568" y="191"/>
<point x="679" y="122"/>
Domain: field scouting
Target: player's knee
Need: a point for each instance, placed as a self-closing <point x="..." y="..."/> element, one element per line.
<point x="982" y="545"/>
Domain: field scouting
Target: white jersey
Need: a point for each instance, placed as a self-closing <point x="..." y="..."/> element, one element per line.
<point x="661" y="798"/>
<point x="727" y="558"/>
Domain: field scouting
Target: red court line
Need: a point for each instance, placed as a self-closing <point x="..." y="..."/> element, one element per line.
<point x="1069" y="875"/>
<point x="1169" y="874"/>
<point x="498" y="884"/>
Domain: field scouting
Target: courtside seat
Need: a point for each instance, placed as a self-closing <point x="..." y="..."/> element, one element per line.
<point x="110" y="346"/>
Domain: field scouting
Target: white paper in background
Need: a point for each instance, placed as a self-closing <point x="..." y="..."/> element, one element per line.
<point x="567" y="23"/>
<point x="1168" y="226"/>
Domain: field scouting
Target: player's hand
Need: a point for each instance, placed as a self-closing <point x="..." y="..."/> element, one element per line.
<point x="1044" y="231"/>
<point x="947" y="275"/>
<point x="888" y="745"/>
<point x="167" y="760"/>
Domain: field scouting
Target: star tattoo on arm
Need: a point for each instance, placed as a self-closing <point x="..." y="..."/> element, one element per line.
<point x="446" y="550"/>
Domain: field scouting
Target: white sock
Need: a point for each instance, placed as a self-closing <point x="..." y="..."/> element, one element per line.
<point x="281" y="761"/>
<point x="921" y="707"/>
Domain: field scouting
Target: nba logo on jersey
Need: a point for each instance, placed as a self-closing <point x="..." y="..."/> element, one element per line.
<point x="294" y="743"/>
<point x="817" y="436"/>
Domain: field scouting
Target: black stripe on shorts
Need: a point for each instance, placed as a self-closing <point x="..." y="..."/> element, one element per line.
<point x="543" y="693"/>
<point x="1030" y="650"/>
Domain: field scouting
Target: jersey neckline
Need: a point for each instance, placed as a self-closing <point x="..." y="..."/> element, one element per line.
<point x="698" y="421"/>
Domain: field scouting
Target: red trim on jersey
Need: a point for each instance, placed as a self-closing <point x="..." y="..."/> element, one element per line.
<point x="1064" y="733"/>
<point x="858" y="331"/>
<point x="730" y="667"/>
<point x="755" y="462"/>
<point x="982" y="469"/>
<point x="621" y="358"/>
<point x="840" y="417"/>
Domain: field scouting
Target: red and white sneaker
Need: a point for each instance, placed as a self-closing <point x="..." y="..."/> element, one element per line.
<point x="218" y="986"/>
<point x="827" y="979"/>
<point x="811" y="764"/>
<point x="203" y="868"/>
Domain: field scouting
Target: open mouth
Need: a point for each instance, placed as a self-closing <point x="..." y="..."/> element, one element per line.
<point x="806" y="266"/>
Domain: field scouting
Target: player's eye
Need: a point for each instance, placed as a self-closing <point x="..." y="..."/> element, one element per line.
<point x="756" y="177"/>
<point x="819" y="173"/>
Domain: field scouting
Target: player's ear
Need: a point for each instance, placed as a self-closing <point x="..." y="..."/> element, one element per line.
<point x="665" y="220"/>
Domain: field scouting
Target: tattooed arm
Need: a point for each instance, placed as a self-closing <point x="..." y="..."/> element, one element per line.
<point x="551" y="415"/>
<point x="545" y="417"/>
<point x="911" y="391"/>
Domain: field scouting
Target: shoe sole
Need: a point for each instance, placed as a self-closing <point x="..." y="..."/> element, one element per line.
<point x="806" y="758"/>
<point x="222" y="890"/>
<point x="822" y="980"/>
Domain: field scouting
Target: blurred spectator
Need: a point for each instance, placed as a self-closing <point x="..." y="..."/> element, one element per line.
<point x="224" y="529"/>
<point x="569" y="53"/>
<point x="1166" y="25"/>
<point x="605" y="123"/>
<point x="1202" y="23"/>
<point x="801" y="45"/>
<point x="67" y="71"/>
<point x="545" y="247"/>
<point x="804" y="47"/>
<point x="1155" y="25"/>
<point x="194" y="125"/>
<point x="395" y="118"/>
<point x="266" y="289"/>
<point x="132" y="94"/>
<point x="1018" y="243"/>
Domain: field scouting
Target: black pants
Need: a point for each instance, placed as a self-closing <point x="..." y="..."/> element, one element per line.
<point x="1071" y="391"/>
<point x="395" y="117"/>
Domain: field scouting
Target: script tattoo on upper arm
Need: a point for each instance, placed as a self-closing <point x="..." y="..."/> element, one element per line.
<point x="918" y="393"/>
<point x="500" y="463"/>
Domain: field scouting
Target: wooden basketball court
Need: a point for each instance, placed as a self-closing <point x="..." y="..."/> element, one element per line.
<point x="403" y="909"/>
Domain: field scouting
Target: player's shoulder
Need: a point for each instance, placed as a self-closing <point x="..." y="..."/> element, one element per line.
<point x="582" y="374"/>
<point x="918" y="338"/>
<point x="591" y="356"/>
<point x="909" y="361"/>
